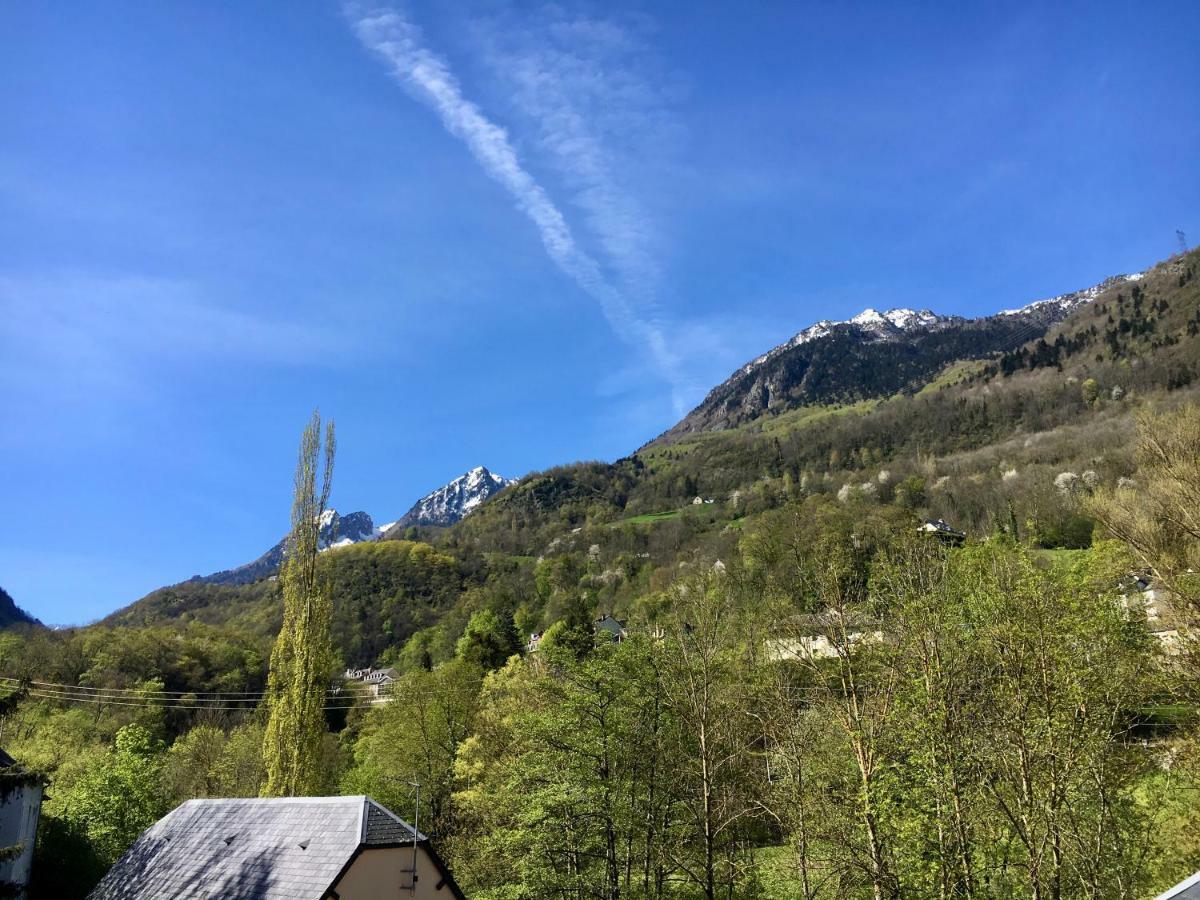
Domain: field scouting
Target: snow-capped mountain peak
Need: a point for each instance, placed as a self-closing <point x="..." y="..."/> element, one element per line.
<point x="445" y="506"/>
<point x="879" y="325"/>
<point x="872" y="354"/>
<point x="1067" y="302"/>
<point x="452" y="501"/>
<point x="868" y="316"/>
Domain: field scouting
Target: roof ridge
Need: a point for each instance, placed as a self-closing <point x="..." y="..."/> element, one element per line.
<point x="347" y="798"/>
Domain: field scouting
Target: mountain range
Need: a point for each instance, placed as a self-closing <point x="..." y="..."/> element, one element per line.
<point x="873" y="354"/>
<point x="438" y="509"/>
<point x="820" y="410"/>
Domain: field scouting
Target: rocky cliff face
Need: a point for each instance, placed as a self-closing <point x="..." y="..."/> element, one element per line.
<point x="449" y="503"/>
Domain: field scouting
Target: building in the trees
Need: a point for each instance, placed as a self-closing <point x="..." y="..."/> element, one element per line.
<point x="943" y="531"/>
<point x="615" y="628"/>
<point x="1142" y="597"/>
<point x="20" y="808"/>
<point x="298" y="848"/>
<point x="377" y="681"/>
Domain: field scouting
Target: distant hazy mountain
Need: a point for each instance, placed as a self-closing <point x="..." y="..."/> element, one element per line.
<point x="445" y="506"/>
<point x="871" y="355"/>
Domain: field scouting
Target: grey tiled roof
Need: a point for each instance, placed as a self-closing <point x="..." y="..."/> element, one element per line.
<point x="1188" y="889"/>
<point x="277" y="849"/>
<point x="385" y="828"/>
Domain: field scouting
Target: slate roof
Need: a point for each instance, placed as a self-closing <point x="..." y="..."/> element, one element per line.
<point x="6" y="761"/>
<point x="257" y="849"/>
<point x="1188" y="889"/>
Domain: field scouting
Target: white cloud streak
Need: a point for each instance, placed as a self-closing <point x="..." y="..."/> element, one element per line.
<point x="586" y="87"/>
<point x="428" y="78"/>
<point x="85" y="336"/>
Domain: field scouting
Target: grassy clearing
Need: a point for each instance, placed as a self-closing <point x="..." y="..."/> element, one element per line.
<point x="807" y="415"/>
<point x="955" y="373"/>
<point x="650" y="518"/>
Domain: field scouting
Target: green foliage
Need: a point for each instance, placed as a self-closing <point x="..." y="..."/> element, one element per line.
<point x="114" y="795"/>
<point x="301" y="662"/>
<point x="210" y="762"/>
<point x="385" y="591"/>
<point x="417" y="739"/>
<point x="488" y="641"/>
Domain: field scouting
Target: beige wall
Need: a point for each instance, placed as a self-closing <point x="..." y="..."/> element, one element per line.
<point x="18" y="825"/>
<point x="378" y="875"/>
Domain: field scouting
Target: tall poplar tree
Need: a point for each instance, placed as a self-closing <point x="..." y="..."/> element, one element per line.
<point x="302" y="655"/>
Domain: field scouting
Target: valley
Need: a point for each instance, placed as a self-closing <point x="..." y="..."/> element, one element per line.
<point x="784" y="508"/>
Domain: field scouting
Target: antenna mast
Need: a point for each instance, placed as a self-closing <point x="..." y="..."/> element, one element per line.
<point x="1183" y="247"/>
<point x="416" y="822"/>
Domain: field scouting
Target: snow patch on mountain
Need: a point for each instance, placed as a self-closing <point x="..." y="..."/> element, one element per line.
<point x="1067" y="302"/>
<point x="445" y="506"/>
<point x="879" y="325"/>
<point x="449" y="503"/>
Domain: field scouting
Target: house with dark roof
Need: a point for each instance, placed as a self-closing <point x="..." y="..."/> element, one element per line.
<point x="943" y="531"/>
<point x="294" y="848"/>
<point x="611" y="627"/>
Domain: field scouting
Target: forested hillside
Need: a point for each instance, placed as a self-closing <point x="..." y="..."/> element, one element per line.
<point x="11" y="614"/>
<point x="988" y="720"/>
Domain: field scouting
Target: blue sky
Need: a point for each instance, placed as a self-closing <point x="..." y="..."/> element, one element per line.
<point x="510" y="235"/>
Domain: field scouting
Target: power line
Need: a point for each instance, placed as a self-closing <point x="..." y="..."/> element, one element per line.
<point x="106" y="701"/>
<point x="337" y="698"/>
<point x="150" y="692"/>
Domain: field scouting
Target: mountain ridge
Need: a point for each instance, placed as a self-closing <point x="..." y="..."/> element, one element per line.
<point x="871" y="355"/>
<point x="439" y="508"/>
<point x="11" y="614"/>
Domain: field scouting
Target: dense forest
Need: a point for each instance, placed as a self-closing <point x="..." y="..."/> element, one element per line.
<point x="812" y="698"/>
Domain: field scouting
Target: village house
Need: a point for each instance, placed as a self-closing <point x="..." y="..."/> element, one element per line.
<point x="818" y="646"/>
<point x="1142" y="598"/>
<point x="377" y="681"/>
<point x="942" y="531"/>
<point x="823" y="636"/>
<point x="613" y="628"/>
<point x="606" y="626"/>
<point x="294" y="848"/>
<point x="20" y="808"/>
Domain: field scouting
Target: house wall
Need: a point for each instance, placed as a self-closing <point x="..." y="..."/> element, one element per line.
<point x="18" y="825"/>
<point x="379" y="874"/>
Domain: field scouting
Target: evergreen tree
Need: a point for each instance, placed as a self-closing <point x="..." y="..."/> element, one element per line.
<point x="301" y="659"/>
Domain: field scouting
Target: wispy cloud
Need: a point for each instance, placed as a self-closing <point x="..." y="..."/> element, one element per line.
<point x="591" y="94"/>
<point x="87" y="337"/>
<point x="616" y="221"/>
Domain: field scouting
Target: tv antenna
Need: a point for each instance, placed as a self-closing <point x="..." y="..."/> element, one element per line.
<point x="411" y="887"/>
<point x="1183" y="247"/>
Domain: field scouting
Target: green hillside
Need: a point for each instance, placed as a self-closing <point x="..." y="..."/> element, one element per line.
<point x="977" y="703"/>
